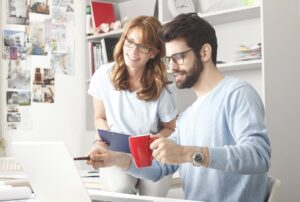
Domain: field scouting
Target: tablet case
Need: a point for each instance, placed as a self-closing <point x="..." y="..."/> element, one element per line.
<point x="116" y="141"/>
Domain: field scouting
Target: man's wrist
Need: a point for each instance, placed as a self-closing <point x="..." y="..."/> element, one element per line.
<point x="206" y="160"/>
<point x="187" y="154"/>
<point x="190" y="151"/>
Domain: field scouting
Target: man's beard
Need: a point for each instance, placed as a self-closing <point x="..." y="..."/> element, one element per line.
<point x="192" y="76"/>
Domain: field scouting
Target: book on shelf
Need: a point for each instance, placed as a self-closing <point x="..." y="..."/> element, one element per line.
<point x="94" y="54"/>
<point x="108" y="46"/>
<point x="101" y="52"/>
<point x="252" y="52"/>
<point x="102" y="12"/>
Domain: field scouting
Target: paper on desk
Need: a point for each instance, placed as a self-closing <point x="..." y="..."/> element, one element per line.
<point x="14" y="193"/>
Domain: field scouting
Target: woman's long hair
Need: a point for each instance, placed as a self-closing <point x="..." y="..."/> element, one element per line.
<point x="154" y="77"/>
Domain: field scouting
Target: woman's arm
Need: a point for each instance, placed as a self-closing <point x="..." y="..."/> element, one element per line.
<point x="167" y="128"/>
<point x="99" y="115"/>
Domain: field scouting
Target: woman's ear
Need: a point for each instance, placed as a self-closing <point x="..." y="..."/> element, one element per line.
<point x="205" y="52"/>
<point x="154" y="53"/>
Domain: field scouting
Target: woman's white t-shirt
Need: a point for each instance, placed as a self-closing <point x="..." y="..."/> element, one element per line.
<point x="125" y="112"/>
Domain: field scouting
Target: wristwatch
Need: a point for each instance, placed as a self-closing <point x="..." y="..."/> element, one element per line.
<point x="198" y="158"/>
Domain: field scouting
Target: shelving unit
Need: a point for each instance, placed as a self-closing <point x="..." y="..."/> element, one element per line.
<point x="114" y="33"/>
<point x="240" y="66"/>
<point x="215" y="18"/>
<point x="232" y="15"/>
<point x="224" y="21"/>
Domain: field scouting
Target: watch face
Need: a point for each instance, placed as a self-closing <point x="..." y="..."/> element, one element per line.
<point x="181" y="6"/>
<point x="198" y="158"/>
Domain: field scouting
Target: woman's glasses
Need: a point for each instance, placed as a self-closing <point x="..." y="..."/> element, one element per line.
<point x="141" y="48"/>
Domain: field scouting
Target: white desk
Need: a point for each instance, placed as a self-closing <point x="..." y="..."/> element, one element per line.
<point x="92" y="182"/>
<point x="97" y="194"/>
<point x="21" y="180"/>
<point x="127" y="197"/>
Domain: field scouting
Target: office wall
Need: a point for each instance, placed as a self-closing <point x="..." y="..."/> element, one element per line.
<point x="1" y="149"/>
<point x="65" y="119"/>
<point x="282" y="92"/>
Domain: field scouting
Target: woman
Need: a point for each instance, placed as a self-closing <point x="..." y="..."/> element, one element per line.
<point x="133" y="96"/>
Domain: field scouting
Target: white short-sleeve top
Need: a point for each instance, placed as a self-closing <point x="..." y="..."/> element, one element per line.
<point x="125" y="112"/>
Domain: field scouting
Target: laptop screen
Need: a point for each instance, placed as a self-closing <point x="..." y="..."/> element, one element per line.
<point x="54" y="177"/>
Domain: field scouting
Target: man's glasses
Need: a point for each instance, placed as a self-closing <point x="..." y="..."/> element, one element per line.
<point x="177" y="58"/>
<point x="141" y="48"/>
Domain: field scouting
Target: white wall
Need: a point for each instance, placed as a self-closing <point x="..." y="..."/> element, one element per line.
<point x="282" y="26"/>
<point x="1" y="149"/>
<point x="65" y="119"/>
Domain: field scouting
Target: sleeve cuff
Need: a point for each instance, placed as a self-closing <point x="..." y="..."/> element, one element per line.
<point x="169" y="117"/>
<point x="218" y="158"/>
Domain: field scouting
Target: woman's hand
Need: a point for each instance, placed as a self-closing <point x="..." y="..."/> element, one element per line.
<point x="101" y="156"/>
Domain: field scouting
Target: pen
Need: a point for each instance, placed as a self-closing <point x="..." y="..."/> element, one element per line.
<point x="81" y="158"/>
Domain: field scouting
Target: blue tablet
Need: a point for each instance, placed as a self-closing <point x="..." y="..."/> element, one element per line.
<point x="115" y="141"/>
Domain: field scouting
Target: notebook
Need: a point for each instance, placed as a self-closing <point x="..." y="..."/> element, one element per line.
<point x="54" y="176"/>
<point x="102" y="12"/>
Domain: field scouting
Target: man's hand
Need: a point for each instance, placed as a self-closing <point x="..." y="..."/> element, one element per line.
<point x="101" y="156"/>
<point x="167" y="151"/>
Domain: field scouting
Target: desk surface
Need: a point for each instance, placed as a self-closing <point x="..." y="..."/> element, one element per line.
<point x="93" y="193"/>
<point x="127" y="197"/>
<point x="93" y="182"/>
<point x="9" y="177"/>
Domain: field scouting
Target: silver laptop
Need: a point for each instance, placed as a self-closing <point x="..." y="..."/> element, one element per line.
<point x="53" y="175"/>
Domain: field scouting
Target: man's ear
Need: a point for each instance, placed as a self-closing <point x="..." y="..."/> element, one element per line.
<point x="205" y="52"/>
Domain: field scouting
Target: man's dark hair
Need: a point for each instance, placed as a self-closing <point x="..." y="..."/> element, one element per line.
<point x="192" y="28"/>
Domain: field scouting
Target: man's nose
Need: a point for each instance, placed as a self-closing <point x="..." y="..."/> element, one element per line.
<point x="173" y="65"/>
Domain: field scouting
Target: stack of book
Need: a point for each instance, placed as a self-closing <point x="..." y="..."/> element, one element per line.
<point x="8" y="192"/>
<point x="101" y="52"/>
<point x="91" y="179"/>
<point x="249" y="52"/>
<point x="13" y="183"/>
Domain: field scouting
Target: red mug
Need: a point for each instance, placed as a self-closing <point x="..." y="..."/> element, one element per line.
<point x="140" y="150"/>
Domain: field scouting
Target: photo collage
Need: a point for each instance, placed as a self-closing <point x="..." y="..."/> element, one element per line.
<point x="46" y="36"/>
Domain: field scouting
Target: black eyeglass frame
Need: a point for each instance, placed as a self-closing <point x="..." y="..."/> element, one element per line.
<point x="139" y="47"/>
<point x="180" y="56"/>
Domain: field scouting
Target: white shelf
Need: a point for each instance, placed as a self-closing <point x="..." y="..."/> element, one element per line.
<point x="232" y="15"/>
<point x="110" y="1"/>
<point x="236" y="66"/>
<point x="240" y="66"/>
<point x="114" y="33"/>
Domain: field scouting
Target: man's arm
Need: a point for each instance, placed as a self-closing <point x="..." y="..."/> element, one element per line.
<point x="246" y="122"/>
<point x="101" y="157"/>
<point x="155" y="172"/>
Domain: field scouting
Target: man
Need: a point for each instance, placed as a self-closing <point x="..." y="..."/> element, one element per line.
<point x="220" y="144"/>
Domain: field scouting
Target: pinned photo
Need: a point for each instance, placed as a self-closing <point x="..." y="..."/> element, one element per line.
<point x="14" y="45"/>
<point x="17" y="12"/>
<point x="18" y="76"/>
<point x="43" y="86"/>
<point x="39" y="6"/>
